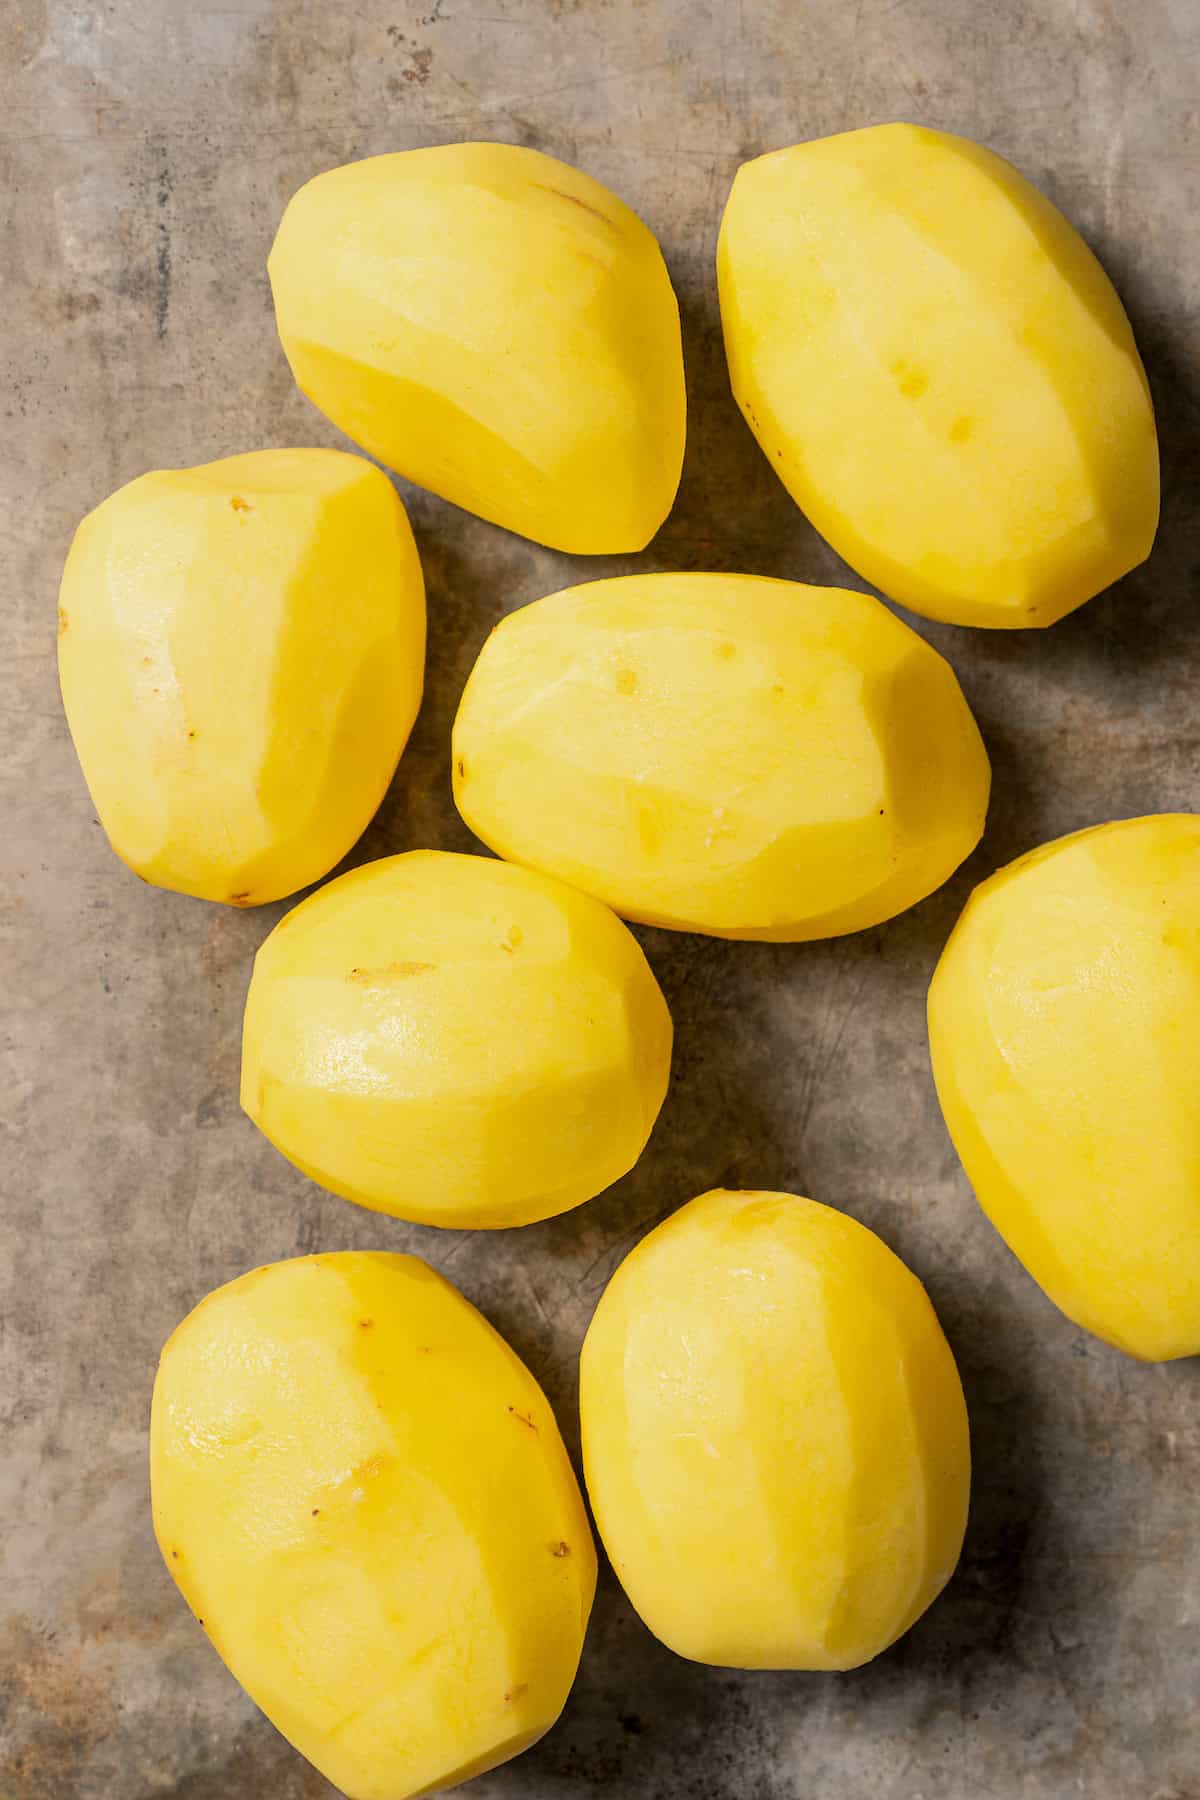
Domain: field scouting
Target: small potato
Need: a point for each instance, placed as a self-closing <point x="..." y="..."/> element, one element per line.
<point x="242" y="648"/>
<point x="497" y="326"/>
<point x="940" y="373"/>
<point x="722" y="753"/>
<point x="1064" y="1028"/>
<point x="363" y="1496"/>
<point x="455" y="1041"/>
<point x="774" y="1436"/>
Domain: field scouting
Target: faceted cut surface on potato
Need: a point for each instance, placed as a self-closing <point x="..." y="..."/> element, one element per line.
<point x="722" y="753"/>
<point x="363" y="1496"/>
<point x="940" y="373"/>
<point x="1064" y="1027"/>
<point x="774" y="1435"/>
<point x="241" y="649"/>
<point x="455" y="1041"/>
<point x="499" y="328"/>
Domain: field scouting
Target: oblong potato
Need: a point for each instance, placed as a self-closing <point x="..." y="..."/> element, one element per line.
<point x="722" y="753"/>
<point x="363" y="1496"/>
<point x="940" y="373"/>
<point x="497" y="326"/>
<point x="241" y="648"/>
<point x="455" y="1041"/>
<point x="775" y="1440"/>
<point x="1064" y="1029"/>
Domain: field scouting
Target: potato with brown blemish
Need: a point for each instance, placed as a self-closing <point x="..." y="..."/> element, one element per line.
<point x="379" y="1529"/>
<point x="241" y="648"/>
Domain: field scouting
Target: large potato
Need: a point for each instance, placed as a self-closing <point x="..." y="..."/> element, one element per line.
<point x="774" y="1435"/>
<point x="722" y="753"/>
<point x="498" y="327"/>
<point x="455" y="1041"/>
<point x="241" y="648"/>
<point x="363" y="1496"/>
<point x="940" y="373"/>
<point x="1064" y="1026"/>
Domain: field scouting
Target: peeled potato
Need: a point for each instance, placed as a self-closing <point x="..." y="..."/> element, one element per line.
<point x="497" y="326"/>
<point x="940" y="372"/>
<point x="241" y="648"/>
<point x="774" y="1435"/>
<point x="363" y="1496"/>
<point x="722" y="753"/>
<point x="455" y="1041"/>
<point x="1064" y="1026"/>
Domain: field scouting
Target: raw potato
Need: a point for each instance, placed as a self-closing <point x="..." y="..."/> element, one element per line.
<point x="363" y="1496"/>
<point x="455" y="1041"/>
<point x="241" y="648"/>
<point x="497" y="326"/>
<point x="1064" y="1026"/>
<point x="722" y="753"/>
<point x="774" y="1435"/>
<point x="940" y="372"/>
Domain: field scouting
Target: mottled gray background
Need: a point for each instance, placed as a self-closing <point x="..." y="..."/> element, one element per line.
<point x="146" y="150"/>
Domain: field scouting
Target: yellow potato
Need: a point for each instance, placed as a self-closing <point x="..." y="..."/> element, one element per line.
<point x="241" y="649"/>
<point x="363" y="1496"/>
<point x="1064" y="1027"/>
<point x="940" y="373"/>
<point x="497" y="326"/>
<point x="774" y="1436"/>
<point x="455" y="1041"/>
<point x="722" y="753"/>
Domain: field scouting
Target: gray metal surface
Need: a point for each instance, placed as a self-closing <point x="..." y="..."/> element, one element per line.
<point x="146" y="150"/>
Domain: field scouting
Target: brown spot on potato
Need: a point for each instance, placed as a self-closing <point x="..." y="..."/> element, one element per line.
<point x="524" y="1419"/>
<point x="192" y="733"/>
<point x="461" y="769"/>
<point x="627" y="681"/>
<point x="63" y="622"/>
<point x="365" y="1324"/>
<point x="584" y="205"/>
<point x="242" y="899"/>
<point x="239" y="505"/>
<point x="514" y="1693"/>
<point x="562" y="1548"/>
<point x="395" y="971"/>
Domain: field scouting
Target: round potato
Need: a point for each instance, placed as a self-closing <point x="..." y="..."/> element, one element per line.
<point x="455" y="1041"/>
<point x="363" y="1496"/>
<point x="940" y="373"/>
<point x="1064" y="1028"/>
<point x="722" y="753"/>
<point x="774" y="1435"/>
<point x="242" y="648"/>
<point x="497" y="326"/>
